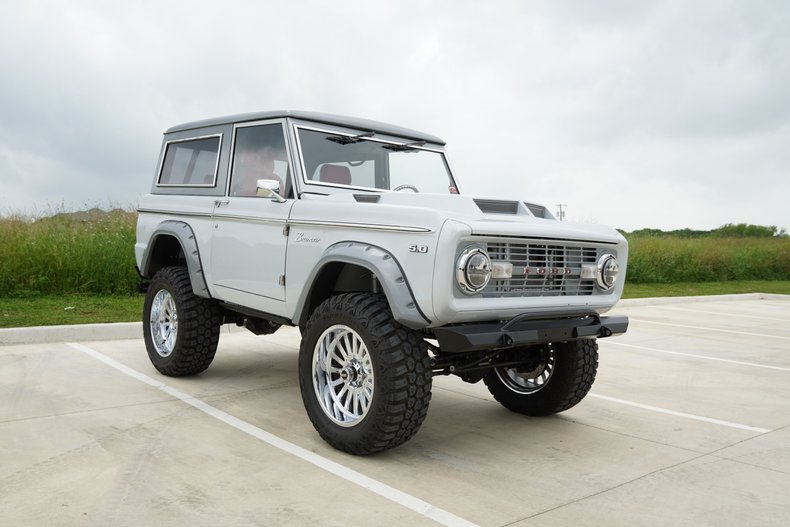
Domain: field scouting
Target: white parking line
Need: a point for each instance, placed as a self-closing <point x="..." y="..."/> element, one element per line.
<point x="413" y="503"/>
<point x="721" y="313"/>
<point x="694" y="355"/>
<point x="681" y="414"/>
<point x="710" y="329"/>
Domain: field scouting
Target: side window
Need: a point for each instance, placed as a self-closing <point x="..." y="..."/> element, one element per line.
<point x="190" y="163"/>
<point x="259" y="154"/>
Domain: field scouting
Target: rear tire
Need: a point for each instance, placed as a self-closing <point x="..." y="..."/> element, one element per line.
<point x="181" y="329"/>
<point x="365" y="379"/>
<point x="564" y="378"/>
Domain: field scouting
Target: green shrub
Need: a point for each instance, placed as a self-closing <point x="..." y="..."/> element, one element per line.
<point x="744" y="230"/>
<point x="729" y="230"/>
<point x="84" y="252"/>
<point x="670" y="259"/>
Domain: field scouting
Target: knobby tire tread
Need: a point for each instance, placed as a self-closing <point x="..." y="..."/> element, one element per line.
<point x="199" y="322"/>
<point x="566" y="390"/>
<point x="404" y="363"/>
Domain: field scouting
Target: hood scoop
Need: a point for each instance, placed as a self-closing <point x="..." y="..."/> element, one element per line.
<point x="491" y="206"/>
<point x="539" y="211"/>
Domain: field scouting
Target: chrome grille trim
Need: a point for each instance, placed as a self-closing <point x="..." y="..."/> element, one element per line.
<point x="551" y="268"/>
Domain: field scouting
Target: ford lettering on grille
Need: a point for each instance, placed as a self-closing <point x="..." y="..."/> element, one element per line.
<point x="546" y="270"/>
<point x="542" y="269"/>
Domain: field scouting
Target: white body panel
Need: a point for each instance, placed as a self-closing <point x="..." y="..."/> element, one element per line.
<point x="248" y="252"/>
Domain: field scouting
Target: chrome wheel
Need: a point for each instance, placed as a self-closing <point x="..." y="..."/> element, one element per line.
<point x="164" y="323"/>
<point x="523" y="381"/>
<point x="180" y="329"/>
<point x="342" y="375"/>
<point x="365" y="380"/>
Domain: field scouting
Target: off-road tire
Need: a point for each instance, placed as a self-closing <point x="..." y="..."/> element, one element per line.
<point x="199" y="321"/>
<point x="400" y="367"/>
<point x="575" y="365"/>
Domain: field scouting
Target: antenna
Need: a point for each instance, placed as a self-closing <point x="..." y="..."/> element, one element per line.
<point x="560" y="211"/>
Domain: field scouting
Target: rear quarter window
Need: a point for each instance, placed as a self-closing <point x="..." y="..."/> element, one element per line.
<point x="190" y="163"/>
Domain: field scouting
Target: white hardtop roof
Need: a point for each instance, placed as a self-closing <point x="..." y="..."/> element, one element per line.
<point x="323" y="118"/>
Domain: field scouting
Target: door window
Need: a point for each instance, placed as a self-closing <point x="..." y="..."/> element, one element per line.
<point x="259" y="154"/>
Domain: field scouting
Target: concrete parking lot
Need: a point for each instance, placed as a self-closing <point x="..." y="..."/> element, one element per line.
<point x="687" y="424"/>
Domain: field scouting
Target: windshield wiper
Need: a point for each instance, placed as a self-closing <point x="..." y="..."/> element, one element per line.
<point x="405" y="147"/>
<point x="349" y="139"/>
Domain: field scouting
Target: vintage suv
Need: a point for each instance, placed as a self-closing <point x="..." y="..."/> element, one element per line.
<point x="358" y="233"/>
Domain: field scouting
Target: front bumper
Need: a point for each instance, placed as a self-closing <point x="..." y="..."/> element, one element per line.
<point x="528" y="329"/>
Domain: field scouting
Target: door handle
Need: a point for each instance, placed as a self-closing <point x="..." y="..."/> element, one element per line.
<point x="221" y="202"/>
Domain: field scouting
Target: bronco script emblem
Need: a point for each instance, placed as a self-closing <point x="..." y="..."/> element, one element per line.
<point x="302" y="238"/>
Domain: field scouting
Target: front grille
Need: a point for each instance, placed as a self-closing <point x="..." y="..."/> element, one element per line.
<point x="542" y="269"/>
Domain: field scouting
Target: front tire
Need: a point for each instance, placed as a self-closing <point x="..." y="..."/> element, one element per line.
<point x="365" y="379"/>
<point x="563" y="378"/>
<point x="181" y="329"/>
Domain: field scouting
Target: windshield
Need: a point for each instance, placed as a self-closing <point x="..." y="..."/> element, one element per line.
<point x="365" y="162"/>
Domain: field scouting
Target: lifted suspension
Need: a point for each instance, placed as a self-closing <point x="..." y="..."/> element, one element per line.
<point x="472" y="366"/>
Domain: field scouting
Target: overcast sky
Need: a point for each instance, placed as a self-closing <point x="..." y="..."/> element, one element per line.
<point x="633" y="113"/>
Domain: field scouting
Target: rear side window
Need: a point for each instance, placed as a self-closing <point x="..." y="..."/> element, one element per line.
<point x="190" y="163"/>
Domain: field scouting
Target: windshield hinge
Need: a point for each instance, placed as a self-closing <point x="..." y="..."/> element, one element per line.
<point x="405" y="147"/>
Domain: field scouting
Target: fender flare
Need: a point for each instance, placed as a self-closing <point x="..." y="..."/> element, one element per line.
<point x="387" y="270"/>
<point x="185" y="236"/>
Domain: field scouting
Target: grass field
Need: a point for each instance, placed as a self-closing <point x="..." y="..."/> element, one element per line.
<point x="68" y="268"/>
<point x="69" y="309"/>
<point x="670" y="259"/>
<point x="781" y="287"/>
<point x="90" y="252"/>
<point x="75" y="268"/>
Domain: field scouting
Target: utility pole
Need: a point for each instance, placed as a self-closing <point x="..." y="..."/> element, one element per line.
<point x="560" y="211"/>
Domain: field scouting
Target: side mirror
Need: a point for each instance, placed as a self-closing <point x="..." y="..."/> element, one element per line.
<point x="269" y="188"/>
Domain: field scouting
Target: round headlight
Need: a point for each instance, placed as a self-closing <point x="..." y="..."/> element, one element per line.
<point x="473" y="270"/>
<point x="608" y="269"/>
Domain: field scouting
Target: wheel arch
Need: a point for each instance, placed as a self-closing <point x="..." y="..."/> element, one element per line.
<point x="174" y="243"/>
<point x="350" y="267"/>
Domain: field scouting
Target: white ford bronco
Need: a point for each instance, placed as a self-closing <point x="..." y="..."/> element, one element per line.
<point x="359" y="233"/>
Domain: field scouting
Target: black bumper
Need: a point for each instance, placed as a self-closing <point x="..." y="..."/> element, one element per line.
<point x="528" y="329"/>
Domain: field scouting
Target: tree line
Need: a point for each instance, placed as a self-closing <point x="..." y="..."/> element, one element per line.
<point x="729" y="230"/>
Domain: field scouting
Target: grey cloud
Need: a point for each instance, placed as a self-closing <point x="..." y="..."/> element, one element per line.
<point x="599" y="105"/>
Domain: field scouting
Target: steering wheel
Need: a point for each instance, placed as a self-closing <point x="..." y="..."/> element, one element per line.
<point x="406" y="186"/>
